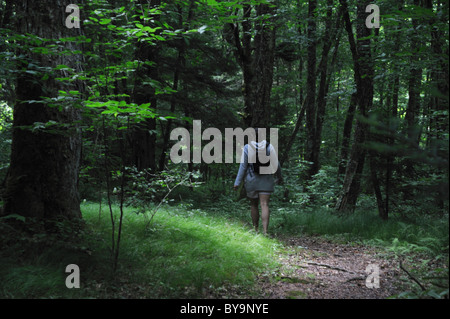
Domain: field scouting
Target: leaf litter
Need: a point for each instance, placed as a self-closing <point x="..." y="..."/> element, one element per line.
<point x="318" y="268"/>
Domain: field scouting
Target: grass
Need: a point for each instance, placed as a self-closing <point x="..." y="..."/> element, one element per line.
<point x="184" y="253"/>
<point x="421" y="234"/>
<point x="194" y="251"/>
<point x="187" y="249"/>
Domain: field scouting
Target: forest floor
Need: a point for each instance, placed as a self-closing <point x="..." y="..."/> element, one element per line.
<point x="195" y="255"/>
<point x="318" y="268"/>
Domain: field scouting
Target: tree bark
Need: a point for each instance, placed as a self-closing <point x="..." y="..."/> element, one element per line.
<point x="328" y="39"/>
<point x="364" y="73"/>
<point x="263" y="65"/>
<point x="180" y="65"/>
<point x="414" y="83"/>
<point x="311" y="83"/>
<point x="44" y="167"/>
<point x="144" y="135"/>
<point x="382" y="212"/>
<point x="439" y="72"/>
<point x="294" y="134"/>
<point x="346" y="135"/>
<point x="256" y="59"/>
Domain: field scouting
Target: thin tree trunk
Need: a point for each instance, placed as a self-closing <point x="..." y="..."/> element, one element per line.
<point x="364" y="87"/>
<point x="179" y="66"/>
<point x="382" y="212"/>
<point x="144" y="134"/>
<point x="329" y="38"/>
<point x="311" y="83"/>
<point x="256" y="59"/>
<point x="346" y="135"/>
<point x="294" y="133"/>
<point x="414" y="83"/>
<point x="439" y="73"/>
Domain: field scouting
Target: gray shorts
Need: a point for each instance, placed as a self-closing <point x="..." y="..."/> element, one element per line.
<point x="255" y="194"/>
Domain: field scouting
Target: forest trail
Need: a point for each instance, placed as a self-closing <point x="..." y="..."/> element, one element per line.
<point x="316" y="268"/>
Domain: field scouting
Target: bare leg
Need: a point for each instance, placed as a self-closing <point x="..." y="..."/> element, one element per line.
<point x="265" y="213"/>
<point x="255" y="212"/>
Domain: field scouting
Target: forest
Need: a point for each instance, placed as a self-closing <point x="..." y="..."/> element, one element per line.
<point x="95" y="204"/>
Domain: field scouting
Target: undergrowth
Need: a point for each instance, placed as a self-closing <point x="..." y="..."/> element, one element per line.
<point x="196" y="248"/>
<point x="183" y="253"/>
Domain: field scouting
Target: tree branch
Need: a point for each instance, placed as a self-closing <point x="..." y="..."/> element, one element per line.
<point x="412" y="277"/>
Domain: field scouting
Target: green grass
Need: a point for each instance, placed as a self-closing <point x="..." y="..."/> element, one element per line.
<point x="183" y="253"/>
<point x="188" y="248"/>
<point x="189" y="251"/>
<point x="421" y="234"/>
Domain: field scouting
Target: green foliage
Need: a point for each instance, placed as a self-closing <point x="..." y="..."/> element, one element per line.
<point x="169" y="64"/>
<point x="425" y="283"/>
<point x="324" y="186"/>
<point x="5" y="137"/>
<point x="145" y="192"/>
<point x="184" y="253"/>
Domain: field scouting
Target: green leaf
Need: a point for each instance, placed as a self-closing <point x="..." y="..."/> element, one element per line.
<point x="62" y="67"/>
<point x="15" y="216"/>
<point x="105" y="21"/>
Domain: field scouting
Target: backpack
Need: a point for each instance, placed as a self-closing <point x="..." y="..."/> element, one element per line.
<point x="258" y="165"/>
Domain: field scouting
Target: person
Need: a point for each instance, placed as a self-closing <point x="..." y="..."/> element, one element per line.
<point x="258" y="186"/>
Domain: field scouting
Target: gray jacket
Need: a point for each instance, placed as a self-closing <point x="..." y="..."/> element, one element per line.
<point x="257" y="182"/>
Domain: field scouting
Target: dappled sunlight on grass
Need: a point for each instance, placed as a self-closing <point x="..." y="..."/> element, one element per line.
<point x="188" y="248"/>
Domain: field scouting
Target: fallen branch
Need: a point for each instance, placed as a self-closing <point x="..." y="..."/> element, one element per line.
<point x="355" y="278"/>
<point x="412" y="277"/>
<point x="331" y="267"/>
<point x="153" y="213"/>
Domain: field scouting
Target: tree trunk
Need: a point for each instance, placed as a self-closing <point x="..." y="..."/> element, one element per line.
<point x="44" y="167"/>
<point x="294" y="134"/>
<point x="263" y="65"/>
<point x="439" y="72"/>
<point x="346" y="135"/>
<point x="364" y="88"/>
<point x="311" y="84"/>
<point x="144" y="134"/>
<point x="256" y="59"/>
<point x="329" y="38"/>
<point x="180" y="65"/>
<point x="414" y="83"/>
<point x="440" y="79"/>
<point x="382" y="212"/>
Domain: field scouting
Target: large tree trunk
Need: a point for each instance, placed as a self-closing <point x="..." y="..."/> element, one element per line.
<point x="43" y="175"/>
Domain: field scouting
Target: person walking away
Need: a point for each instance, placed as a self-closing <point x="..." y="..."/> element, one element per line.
<point x="258" y="178"/>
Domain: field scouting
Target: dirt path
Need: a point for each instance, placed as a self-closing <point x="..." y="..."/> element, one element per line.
<point x="315" y="268"/>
